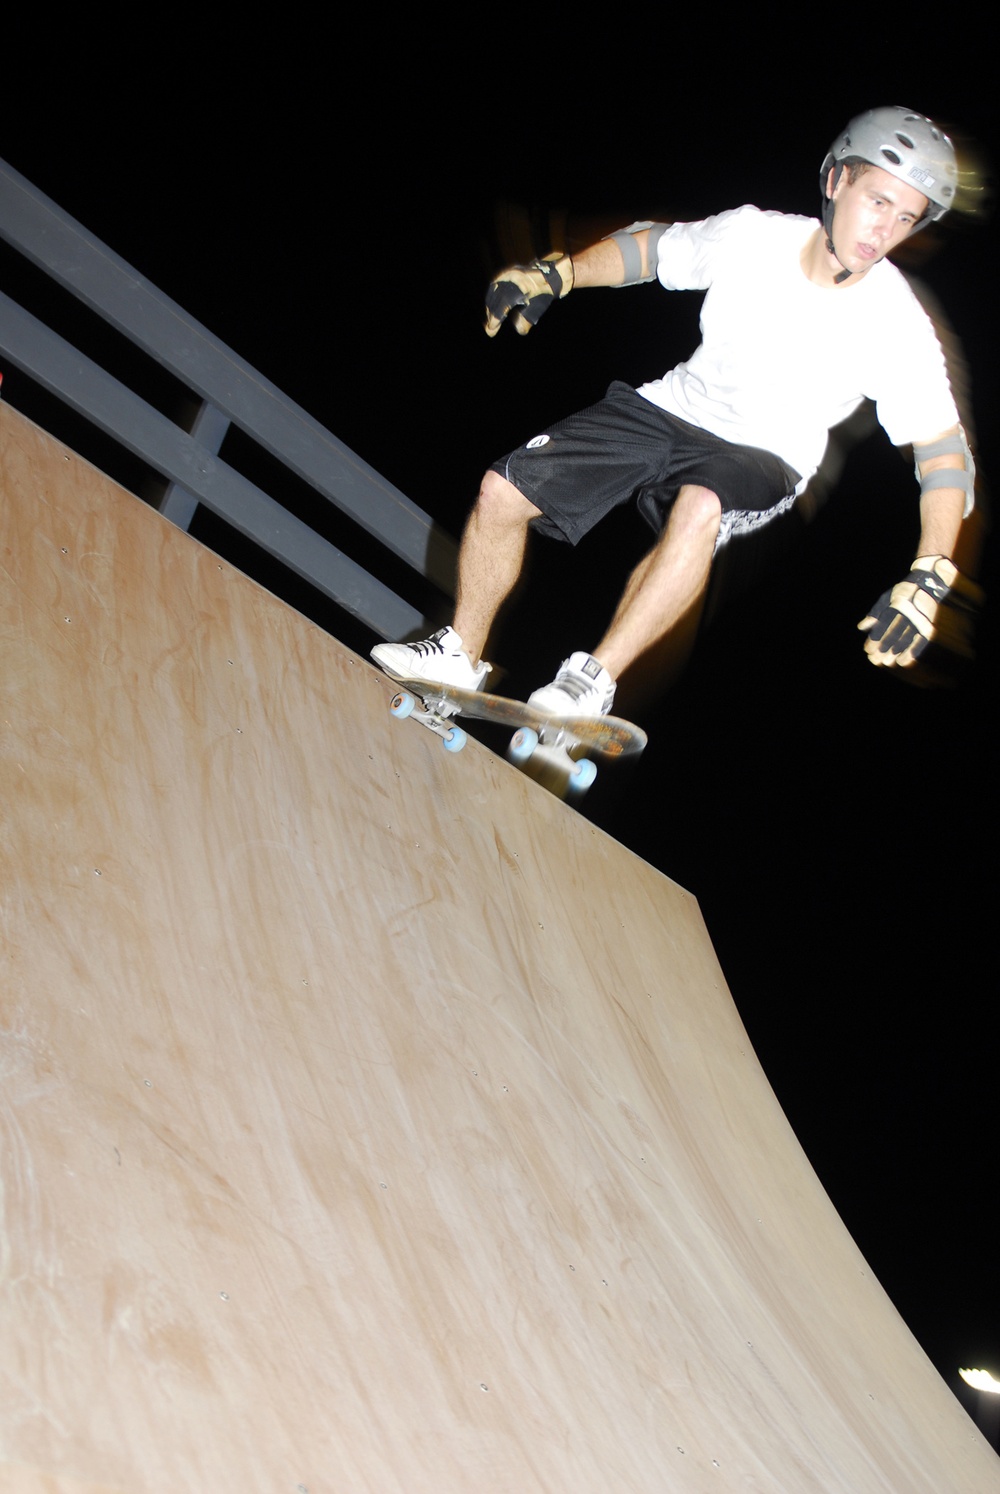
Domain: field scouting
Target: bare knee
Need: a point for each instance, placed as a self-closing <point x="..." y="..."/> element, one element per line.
<point x="697" y="509"/>
<point x="500" y="502"/>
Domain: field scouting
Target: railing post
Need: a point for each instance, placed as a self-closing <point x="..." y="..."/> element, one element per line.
<point x="209" y="430"/>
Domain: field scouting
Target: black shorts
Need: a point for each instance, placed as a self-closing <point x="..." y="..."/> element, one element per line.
<point x="626" y="447"/>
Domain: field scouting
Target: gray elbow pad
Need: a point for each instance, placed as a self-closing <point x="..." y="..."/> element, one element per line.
<point x="624" y="238"/>
<point x="963" y="477"/>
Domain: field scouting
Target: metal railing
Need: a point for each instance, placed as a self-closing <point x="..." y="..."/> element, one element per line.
<point x="225" y="392"/>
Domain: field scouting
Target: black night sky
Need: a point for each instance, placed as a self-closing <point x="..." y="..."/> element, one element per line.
<point x="333" y="209"/>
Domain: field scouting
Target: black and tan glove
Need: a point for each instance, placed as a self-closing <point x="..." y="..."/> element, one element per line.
<point x="925" y="624"/>
<point x="528" y="291"/>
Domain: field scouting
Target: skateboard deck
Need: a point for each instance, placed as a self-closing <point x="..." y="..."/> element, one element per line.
<point x="543" y="746"/>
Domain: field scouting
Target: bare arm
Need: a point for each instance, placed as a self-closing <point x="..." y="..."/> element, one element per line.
<point x="602" y="263"/>
<point x="941" y="510"/>
<point x="925" y="625"/>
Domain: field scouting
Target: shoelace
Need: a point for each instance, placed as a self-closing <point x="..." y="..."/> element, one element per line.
<point x="573" y="685"/>
<point x="428" y="646"/>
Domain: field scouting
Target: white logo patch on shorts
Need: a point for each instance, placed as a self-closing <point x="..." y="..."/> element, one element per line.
<point x="537" y="441"/>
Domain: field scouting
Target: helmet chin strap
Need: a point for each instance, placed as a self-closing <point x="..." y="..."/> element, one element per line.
<point x="828" y="210"/>
<point x="845" y="273"/>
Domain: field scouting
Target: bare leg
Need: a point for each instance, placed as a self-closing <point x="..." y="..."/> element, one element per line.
<point x="490" y="558"/>
<point x="667" y="584"/>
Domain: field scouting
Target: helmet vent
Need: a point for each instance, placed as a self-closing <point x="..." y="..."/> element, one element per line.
<point x="891" y="155"/>
<point x="918" y="119"/>
<point x="905" y="140"/>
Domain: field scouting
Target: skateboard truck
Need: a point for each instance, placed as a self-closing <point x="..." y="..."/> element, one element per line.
<point x="548" y="752"/>
<point x="435" y="714"/>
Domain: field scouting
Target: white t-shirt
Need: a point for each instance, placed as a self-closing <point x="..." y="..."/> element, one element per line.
<point x="781" y="359"/>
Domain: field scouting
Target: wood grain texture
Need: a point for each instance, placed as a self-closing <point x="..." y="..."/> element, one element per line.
<point x="368" y="1120"/>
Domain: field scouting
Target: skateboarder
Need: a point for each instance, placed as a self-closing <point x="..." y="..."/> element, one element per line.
<point x="801" y="321"/>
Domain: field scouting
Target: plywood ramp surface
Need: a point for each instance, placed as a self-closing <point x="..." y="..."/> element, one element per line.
<point x="368" y="1120"/>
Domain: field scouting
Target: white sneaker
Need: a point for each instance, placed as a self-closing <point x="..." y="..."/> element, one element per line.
<point x="581" y="688"/>
<point x="440" y="660"/>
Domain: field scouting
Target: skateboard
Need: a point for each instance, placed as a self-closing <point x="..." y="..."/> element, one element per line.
<point x="544" y="747"/>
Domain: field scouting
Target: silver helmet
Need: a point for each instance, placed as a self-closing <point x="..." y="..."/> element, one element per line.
<point x="907" y="145"/>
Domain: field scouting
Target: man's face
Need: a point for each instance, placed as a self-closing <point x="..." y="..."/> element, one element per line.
<point x="874" y="212"/>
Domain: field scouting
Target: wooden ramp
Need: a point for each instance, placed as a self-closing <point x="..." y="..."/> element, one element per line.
<point x="368" y="1120"/>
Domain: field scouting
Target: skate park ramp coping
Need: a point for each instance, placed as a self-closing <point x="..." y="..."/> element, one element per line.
<point x="369" y="1120"/>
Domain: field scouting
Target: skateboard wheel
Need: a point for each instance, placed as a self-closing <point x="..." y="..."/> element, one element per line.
<point x="583" y="775"/>
<point x="401" y="704"/>
<point x="522" y="744"/>
<point x="455" y="740"/>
